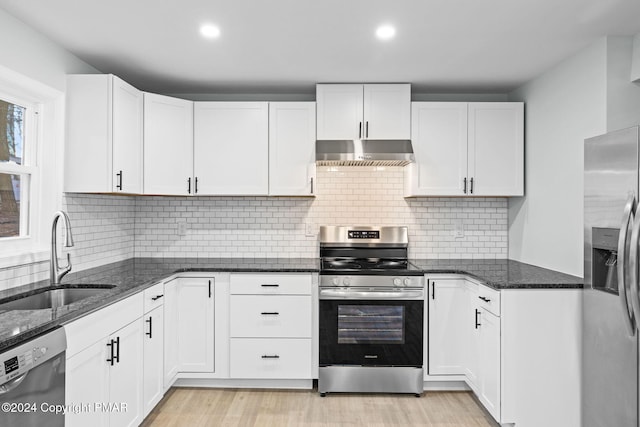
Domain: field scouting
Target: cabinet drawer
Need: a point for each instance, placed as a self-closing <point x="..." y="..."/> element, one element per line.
<point x="283" y="316"/>
<point x="153" y="297"/>
<point x="270" y="358"/>
<point x="489" y="299"/>
<point x="269" y="284"/>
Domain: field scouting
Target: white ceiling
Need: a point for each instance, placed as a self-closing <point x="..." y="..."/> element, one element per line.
<point x="280" y="46"/>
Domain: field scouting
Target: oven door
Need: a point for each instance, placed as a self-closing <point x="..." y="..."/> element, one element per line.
<point x="371" y="332"/>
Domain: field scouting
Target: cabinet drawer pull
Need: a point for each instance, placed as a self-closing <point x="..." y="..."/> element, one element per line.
<point x="366" y="130"/>
<point x="485" y="299"/>
<point x="117" y="350"/>
<point x="209" y="288"/>
<point x="359" y="130"/>
<point x="270" y="285"/>
<point x="270" y="313"/>
<point x="471" y="187"/>
<point x="274" y="356"/>
<point x="111" y="359"/>
<point x="157" y="297"/>
<point x="196" y="186"/>
<point x="477" y="314"/>
<point x="150" y="322"/>
<point x="189" y="185"/>
<point x="119" y="184"/>
<point x="464" y="190"/>
<point x="311" y="185"/>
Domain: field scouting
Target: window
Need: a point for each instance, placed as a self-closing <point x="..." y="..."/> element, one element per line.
<point x="17" y="151"/>
<point x="31" y="159"/>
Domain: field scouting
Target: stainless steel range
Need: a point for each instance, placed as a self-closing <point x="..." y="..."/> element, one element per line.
<point x="371" y="312"/>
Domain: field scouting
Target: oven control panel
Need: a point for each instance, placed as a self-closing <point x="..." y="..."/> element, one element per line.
<point x="372" y="281"/>
<point x="363" y="234"/>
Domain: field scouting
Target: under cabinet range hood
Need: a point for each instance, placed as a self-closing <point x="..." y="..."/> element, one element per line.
<point x="364" y="152"/>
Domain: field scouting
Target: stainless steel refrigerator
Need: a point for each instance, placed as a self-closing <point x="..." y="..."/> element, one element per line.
<point x="611" y="307"/>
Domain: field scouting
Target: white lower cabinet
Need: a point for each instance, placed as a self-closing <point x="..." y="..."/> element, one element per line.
<point x="448" y="326"/>
<point x="464" y="336"/>
<point x="271" y="326"/>
<point x="488" y="374"/>
<point x="189" y="323"/>
<point x="106" y="378"/>
<point x="153" y="348"/>
<point x="270" y="358"/>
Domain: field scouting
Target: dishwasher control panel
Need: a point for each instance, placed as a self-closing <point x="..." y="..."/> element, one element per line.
<point x="20" y="359"/>
<point x="17" y="365"/>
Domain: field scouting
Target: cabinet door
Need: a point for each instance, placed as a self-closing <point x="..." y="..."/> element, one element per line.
<point x="87" y="382"/>
<point x="496" y="148"/>
<point x="88" y="162"/>
<point x="387" y="111"/>
<point x="340" y="111"/>
<point x="448" y="329"/>
<point x="292" y="136"/>
<point x="195" y="325"/>
<point x="439" y="137"/>
<point x="127" y="137"/>
<point x="126" y="376"/>
<point x="170" y="332"/>
<point x="153" y="347"/>
<point x="473" y="313"/>
<point x="231" y="148"/>
<point x="168" y="145"/>
<point x="489" y="360"/>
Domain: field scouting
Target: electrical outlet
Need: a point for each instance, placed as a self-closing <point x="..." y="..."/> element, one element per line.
<point x="309" y="229"/>
<point x="458" y="231"/>
<point x="182" y="228"/>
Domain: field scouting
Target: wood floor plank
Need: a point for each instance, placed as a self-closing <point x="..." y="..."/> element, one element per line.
<point x="294" y="408"/>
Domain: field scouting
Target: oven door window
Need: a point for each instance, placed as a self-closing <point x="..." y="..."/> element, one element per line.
<point x="370" y="324"/>
<point x="371" y="332"/>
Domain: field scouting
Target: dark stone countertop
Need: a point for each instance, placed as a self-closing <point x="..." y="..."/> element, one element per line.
<point x="502" y="274"/>
<point x="136" y="274"/>
<point x="129" y="277"/>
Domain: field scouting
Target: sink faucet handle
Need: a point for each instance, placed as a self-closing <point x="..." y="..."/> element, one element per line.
<point x="68" y="267"/>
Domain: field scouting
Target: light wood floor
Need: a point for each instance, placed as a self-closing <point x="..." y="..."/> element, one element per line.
<point x="277" y="408"/>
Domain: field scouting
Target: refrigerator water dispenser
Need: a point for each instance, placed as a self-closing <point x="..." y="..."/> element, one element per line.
<point x="604" y="259"/>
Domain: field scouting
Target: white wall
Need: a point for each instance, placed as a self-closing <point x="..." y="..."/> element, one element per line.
<point x="623" y="96"/>
<point x="562" y="107"/>
<point x="28" y="52"/>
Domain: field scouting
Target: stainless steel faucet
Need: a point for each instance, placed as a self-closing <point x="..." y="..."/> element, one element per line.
<point x="56" y="272"/>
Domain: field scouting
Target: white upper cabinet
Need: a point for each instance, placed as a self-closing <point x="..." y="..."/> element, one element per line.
<point x="387" y="111"/>
<point x="231" y="148"/>
<point x="439" y="136"/>
<point x="496" y="148"/>
<point x="292" y="135"/>
<point x="363" y="111"/>
<point x="340" y="111"/>
<point x="466" y="149"/>
<point x="168" y="145"/>
<point x="104" y="135"/>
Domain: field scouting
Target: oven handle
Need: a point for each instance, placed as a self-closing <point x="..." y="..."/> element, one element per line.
<point x="387" y="294"/>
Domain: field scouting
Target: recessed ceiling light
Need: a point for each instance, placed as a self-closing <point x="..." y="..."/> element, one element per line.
<point x="209" y="31"/>
<point x="385" y="32"/>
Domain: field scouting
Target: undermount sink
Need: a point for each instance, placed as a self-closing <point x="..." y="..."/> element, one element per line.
<point x="52" y="297"/>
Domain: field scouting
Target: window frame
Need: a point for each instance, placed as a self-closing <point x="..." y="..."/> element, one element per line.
<point x="29" y="168"/>
<point x="45" y="128"/>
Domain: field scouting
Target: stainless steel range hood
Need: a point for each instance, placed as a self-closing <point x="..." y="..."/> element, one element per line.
<point x="364" y="152"/>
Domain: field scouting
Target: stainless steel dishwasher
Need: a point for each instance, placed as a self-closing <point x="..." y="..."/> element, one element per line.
<point x="32" y="381"/>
